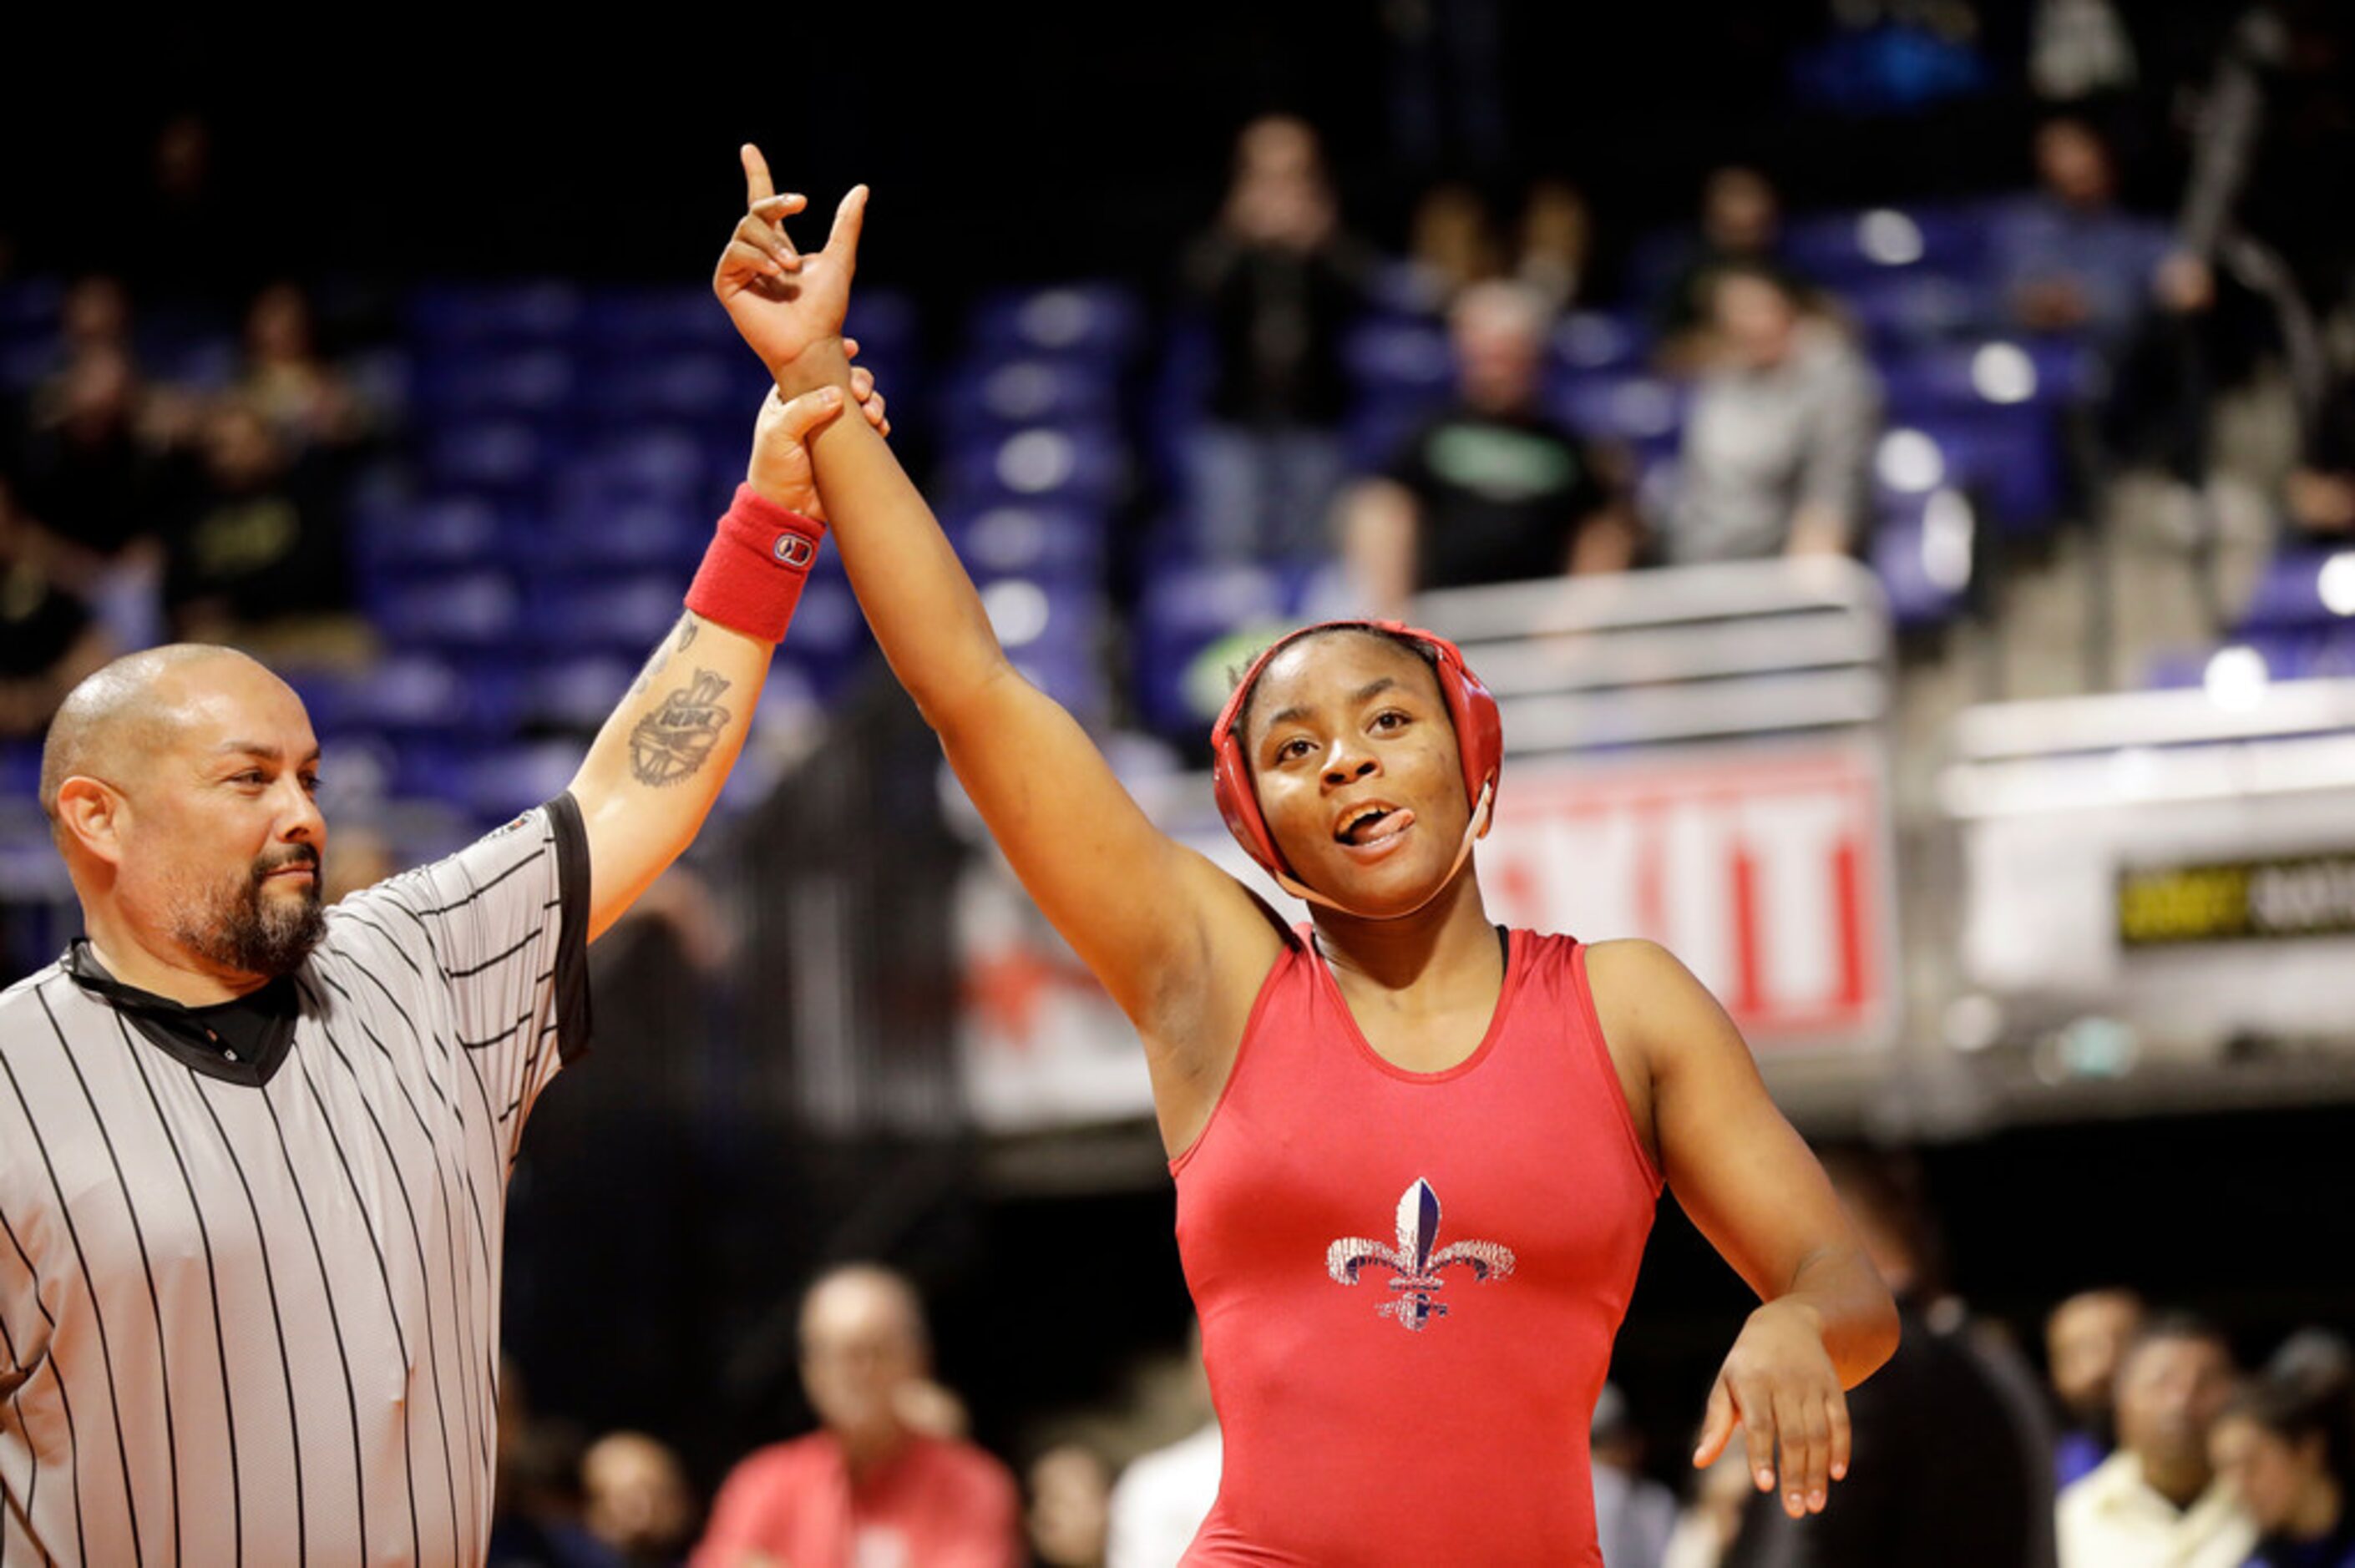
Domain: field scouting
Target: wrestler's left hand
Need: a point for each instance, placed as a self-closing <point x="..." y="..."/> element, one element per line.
<point x="1778" y="1385"/>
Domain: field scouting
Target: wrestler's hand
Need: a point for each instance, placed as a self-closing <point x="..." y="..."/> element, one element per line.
<point x="1779" y="1388"/>
<point x="780" y="470"/>
<point x="782" y="301"/>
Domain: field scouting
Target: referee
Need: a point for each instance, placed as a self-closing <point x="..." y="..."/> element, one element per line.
<point x="253" y="1152"/>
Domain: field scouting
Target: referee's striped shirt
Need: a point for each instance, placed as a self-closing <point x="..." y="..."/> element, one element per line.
<point x="248" y="1309"/>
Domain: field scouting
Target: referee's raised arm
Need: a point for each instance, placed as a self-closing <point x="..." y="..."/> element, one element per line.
<point x="656" y="767"/>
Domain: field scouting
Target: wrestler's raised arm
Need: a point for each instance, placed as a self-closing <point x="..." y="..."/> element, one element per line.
<point x="1179" y="944"/>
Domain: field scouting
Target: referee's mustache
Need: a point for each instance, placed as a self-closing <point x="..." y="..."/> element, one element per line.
<point x="296" y="854"/>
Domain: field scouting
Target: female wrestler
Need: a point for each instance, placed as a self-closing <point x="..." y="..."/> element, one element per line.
<point x="1416" y="1155"/>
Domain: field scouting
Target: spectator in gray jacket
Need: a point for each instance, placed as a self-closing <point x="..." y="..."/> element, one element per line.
<point x="1779" y="441"/>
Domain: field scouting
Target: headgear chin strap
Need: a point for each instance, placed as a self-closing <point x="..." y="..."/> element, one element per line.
<point x="1479" y="743"/>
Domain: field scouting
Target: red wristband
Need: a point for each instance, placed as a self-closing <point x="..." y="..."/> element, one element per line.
<point x="752" y="575"/>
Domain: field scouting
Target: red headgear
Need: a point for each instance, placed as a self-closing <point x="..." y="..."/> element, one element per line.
<point x="1479" y="741"/>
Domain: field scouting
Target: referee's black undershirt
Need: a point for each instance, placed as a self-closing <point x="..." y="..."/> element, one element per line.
<point x="241" y="1040"/>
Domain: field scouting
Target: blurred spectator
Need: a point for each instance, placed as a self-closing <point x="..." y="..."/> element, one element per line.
<point x="1163" y="1497"/>
<point x="536" y="1509"/>
<point x="1741" y="225"/>
<point x="2321" y="491"/>
<point x="1491" y="490"/>
<point x="91" y="475"/>
<point x="1953" y="1464"/>
<point x="1557" y="243"/>
<point x="637" y="1501"/>
<point x="1280" y="283"/>
<point x="256" y="557"/>
<point x="1778" y="445"/>
<point x="1634" y="1515"/>
<point x="2083" y="1339"/>
<point x="49" y="640"/>
<point x="303" y="400"/>
<point x="1451" y="245"/>
<point x="1710" y="1528"/>
<point x="869" y="1488"/>
<point x="95" y="315"/>
<point x="2077" y="48"/>
<point x="2071" y="260"/>
<point x="2158" y="1500"/>
<point x="2287" y="1446"/>
<point x="1070" y="1508"/>
<point x="1162" y="1500"/>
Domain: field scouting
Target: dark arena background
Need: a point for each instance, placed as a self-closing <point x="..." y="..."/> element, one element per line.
<point x="2021" y="842"/>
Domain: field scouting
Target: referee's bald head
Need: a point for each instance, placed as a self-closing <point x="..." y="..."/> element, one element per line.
<point x="126" y="713"/>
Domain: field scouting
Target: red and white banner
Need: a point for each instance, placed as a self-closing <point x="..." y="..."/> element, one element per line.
<point x="1765" y="869"/>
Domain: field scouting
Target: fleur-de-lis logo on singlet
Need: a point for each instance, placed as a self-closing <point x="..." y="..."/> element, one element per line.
<point x="1417" y="1260"/>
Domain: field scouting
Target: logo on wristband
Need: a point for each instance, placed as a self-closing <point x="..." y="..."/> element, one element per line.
<point x="794" y="550"/>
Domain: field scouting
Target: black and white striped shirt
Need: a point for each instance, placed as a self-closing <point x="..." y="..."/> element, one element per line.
<point x="248" y="1309"/>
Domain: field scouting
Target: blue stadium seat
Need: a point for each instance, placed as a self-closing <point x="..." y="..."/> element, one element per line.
<point x="1007" y="395"/>
<point x="1096" y="320"/>
<point x="398" y="534"/>
<point x="1836" y="247"/>
<point x="1060" y="543"/>
<point x="1190" y="610"/>
<point x="1636" y="408"/>
<point x="494" y="383"/>
<point x="2303" y="588"/>
<point x="691" y="385"/>
<point x="472" y="610"/>
<point x="600" y="613"/>
<point x="1396" y="358"/>
<point x="1591" y="341"/>
<point x="1924" y="549"/>
<point x="545" y="309"/>
<point x="1082" y="465"/>
<point x="412" y="694"/>
<point x="503" y="457"/>
<point x="574" y="692"/>
<point x="499" y="784"/>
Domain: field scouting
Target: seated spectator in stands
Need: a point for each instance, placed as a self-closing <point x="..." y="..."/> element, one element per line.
<point x="305" y="403"/>
<point x="1778" y="443"/>
<point x="1952" y="1461"/>
<point x="2072" y="259"/>
<point x="637" y="1501"/>
<point x="90" y="473"/>
<point x="2083" y="1339"/>
<point x="535" y="1503"/>
<point x="1741" y="225"/>
<point x="1557" y="243"/>
<point x="1162" y="1498"/>
<point x="1070" y="1508"/>
<point x="1451" y="245"/>
<point x="2321" y="491"/>
<point x="1279" y="283"/>
<point x="867" y="1486"/>
<point x="256" y="557"/>
<point x="2287" y="1446"/>
<point x="49" y="640"/>
<point x="1634" y="1515"/>
<point x="94" y="316"/>
<point x="2159" y="1500"/>
<point x="1492" y="490"/>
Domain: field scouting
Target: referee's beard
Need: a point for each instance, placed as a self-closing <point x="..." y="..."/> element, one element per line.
<point x="245" y="927"/>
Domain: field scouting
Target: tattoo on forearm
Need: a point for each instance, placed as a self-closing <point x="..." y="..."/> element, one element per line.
<point x="671" y="743"/>
<point x="688" y="628"/>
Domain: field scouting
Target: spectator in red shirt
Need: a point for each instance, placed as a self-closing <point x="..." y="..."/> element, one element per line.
<point x="869" y="1489"/>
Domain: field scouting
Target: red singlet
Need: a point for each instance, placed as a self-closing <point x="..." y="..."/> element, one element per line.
<point x="1409" y="1282"/>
